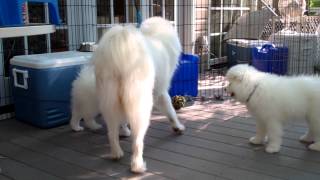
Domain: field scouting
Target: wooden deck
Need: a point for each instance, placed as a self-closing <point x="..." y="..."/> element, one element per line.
<point x="214" y="146"/>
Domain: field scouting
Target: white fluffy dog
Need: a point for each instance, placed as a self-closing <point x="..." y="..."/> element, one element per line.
<point x="274" y="99"/>
<point x="133" y="69"/>
<point x="84" y="102"/>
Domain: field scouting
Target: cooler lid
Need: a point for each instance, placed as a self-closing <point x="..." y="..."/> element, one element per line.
<point x="50" y="60"/>
<point x="247" y="42"/>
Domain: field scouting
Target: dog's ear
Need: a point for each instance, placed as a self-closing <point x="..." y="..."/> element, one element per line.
<point x="234" y="76"/>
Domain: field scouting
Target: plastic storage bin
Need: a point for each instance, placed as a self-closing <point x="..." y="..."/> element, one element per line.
<point x="304" y="51"/>
<point x="11" y="11"/>
<point x="240" y="50"/>
<point x="42" y="85"/>
<point x="270" y="58"/>
<point x="185" y="79"/>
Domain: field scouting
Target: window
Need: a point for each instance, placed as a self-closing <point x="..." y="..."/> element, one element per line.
<point x="63" y="11"/>
<point x="11" y="47"/>
<point x="132" y="12"/>
<point x="37" y="44"/>
<point x="119" y="11"/>
<point x="111" y="12"/>
<point x="169" y="10"/>
<point x="103" y="12"/>
<point x="59" y="40"/>
<point x="156" y="8"/>
<point x="163" y="8"/>
<point x="37" y="13"/>
<point x="224" y="13"/>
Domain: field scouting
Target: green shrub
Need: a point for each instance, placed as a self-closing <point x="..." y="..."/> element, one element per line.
<point x="314" y="3"/>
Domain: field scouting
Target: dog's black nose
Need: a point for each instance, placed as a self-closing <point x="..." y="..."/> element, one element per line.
<point x="232" y="94"/>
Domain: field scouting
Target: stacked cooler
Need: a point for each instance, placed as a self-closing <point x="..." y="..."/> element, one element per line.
<point x="239" y="51"/>
<point x="303" y="51"/>
<point x="42" y="85"/>
<point x="263" y="55"/>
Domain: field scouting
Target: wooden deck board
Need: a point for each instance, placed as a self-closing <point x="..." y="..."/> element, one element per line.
<point x="214" y="146"/>
<point x="12" y="169"/>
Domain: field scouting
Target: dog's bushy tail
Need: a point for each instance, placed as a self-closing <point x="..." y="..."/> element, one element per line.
<point x="164" y="31"/>
<point x="124" y="73"/>
<point x="122" y="48"/>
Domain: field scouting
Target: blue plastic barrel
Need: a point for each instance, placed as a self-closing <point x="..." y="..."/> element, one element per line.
<point x="185" y="79"/>
<point x="270" y="58"/>
<point x="239" y="51"/>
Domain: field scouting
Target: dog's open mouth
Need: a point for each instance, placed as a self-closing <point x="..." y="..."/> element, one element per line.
<point x="232" y="94"/>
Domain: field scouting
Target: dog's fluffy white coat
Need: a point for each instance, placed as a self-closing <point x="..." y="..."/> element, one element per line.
<point x="133" y="70"/>
<point x="273" y="100"/>
<point x="84" y="102"/>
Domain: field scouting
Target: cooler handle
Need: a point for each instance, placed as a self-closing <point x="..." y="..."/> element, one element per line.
<point x="25" y="76"/>
<point x="267" y="47"/>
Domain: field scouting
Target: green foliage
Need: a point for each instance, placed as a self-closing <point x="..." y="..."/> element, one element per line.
<point x="314" y="3"/>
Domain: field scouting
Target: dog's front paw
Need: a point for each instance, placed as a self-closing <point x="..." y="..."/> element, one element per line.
<point x="315" y="146"/>
<point x="256" y="140"/>
<point x="95" y="126"/>
<point x="116" y="155"/>
<point x="77" y="128"/>
<point x="179" y="128"/>
<point x="138" y="166"/>
<point x="272" y="148"/>
<point x="305" y="138"/>
<point x="124" y="131"/>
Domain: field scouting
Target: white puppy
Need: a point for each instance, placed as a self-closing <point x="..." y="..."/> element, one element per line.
<point x="84" y="102"/>
<point x="273" y="99"/>
<point x="134" y="68"/>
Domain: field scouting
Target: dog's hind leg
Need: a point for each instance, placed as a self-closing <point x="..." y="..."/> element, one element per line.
<point x="307" y="137"/>
<point x="314" y="130"/>
<point x="91" y="123"/>
<point x="274" y="132"/>
<point x="139" y="126"/>
<point x="138" y="109"/>
<point x="113" y="123"/>
<point x="124" y="130"/>
<point x="75" y="120"/>
<point x="315" y="146"/>
<point x="163" y="103"/>
<point x="112" y="114"/>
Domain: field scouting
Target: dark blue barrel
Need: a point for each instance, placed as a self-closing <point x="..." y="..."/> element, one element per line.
<point x="270" y="58"/>
<point x="185" y="79"/>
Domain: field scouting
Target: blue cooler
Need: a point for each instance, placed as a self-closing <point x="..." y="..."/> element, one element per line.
<point x="185" y="79"/>
<point x="271" y="58"/>
<point x="42" y="85"/>
<point x="239" y="51"/>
